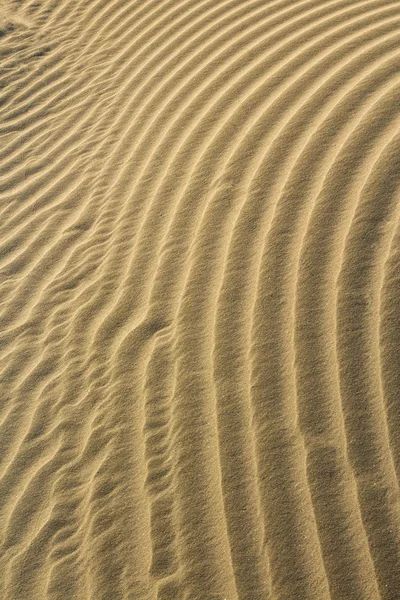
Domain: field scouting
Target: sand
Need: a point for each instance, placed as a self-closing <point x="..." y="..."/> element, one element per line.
<point x="200" y="299"/>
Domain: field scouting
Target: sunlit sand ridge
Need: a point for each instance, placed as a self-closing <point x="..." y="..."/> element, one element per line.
<point x="200" y="299"/>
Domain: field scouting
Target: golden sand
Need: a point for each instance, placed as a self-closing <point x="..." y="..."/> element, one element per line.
<point x="200" y="299"/>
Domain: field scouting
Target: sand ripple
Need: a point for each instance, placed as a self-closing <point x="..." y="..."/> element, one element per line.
<point x="200" y="299"/>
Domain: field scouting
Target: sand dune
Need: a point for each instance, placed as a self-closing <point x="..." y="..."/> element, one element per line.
<point x="200" y="299"/>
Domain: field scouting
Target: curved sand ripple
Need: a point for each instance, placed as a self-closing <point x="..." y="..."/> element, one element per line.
<point x="200" y="253"/>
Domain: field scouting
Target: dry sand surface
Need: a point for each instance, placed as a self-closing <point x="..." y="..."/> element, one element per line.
<point x="200" y="299"/>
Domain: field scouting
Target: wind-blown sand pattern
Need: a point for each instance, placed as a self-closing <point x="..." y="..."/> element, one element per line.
<point x="200" y="299"/>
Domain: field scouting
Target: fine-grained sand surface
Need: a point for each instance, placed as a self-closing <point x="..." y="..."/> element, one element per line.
<point x="200" y="299"/>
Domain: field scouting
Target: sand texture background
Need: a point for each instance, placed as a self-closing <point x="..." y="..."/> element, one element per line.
<point x="200" y="299"/>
